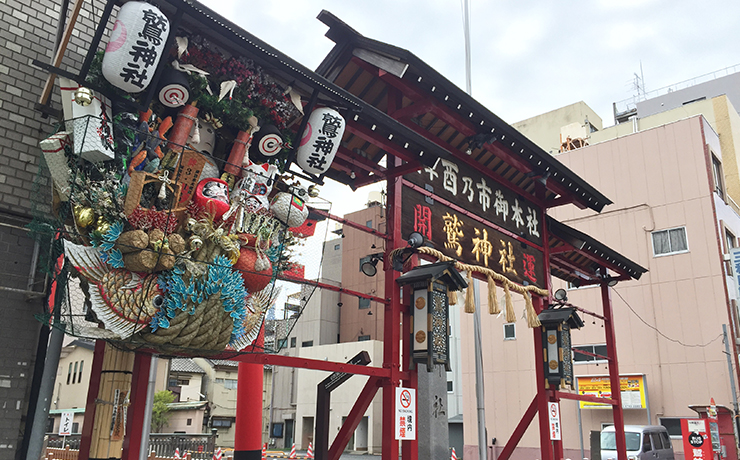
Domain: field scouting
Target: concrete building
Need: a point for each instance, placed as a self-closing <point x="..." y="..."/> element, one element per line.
<point x="73" y="379"/>
<point x="672" y="176"/>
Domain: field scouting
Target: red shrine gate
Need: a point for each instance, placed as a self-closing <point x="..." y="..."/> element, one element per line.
<point x="399" y="109"/>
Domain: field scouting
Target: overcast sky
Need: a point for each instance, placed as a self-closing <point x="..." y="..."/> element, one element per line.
<point x="528" y="57"/>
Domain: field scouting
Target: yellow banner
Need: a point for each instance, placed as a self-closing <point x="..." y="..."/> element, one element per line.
<point x="632" y="390"/>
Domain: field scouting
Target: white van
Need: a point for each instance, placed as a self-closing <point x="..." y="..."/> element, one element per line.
<point x="644" y="442"/>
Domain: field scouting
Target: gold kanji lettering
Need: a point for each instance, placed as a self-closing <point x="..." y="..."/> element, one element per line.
<point x="508" y="259"/>
<point x="453" y="231"/>
<point x="481" y="246"/>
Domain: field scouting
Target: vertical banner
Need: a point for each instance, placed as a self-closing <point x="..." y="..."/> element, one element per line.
<point x="65" y="427"/>
<point x="553" y="411"/>
<point x="405" y="421"/>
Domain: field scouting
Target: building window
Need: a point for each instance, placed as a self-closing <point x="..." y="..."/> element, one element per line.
<point x="364" y="303"/>
<point x="729" y="246"/>
<point x="369" y="223"/>
<point x="75" y="427"/>
<point x="221" y="422"/>
<point x="69" y="374"/>
<point x="292" y="342"/>
<point x="336" y="247"/>
<point x="671" y="241"/>
<point x="510" y="331"/>
<point x="672" y="424"/>
<point x="589" y="354"/>
<point x="363" y="338"/>
<point x="50" y="425"/>
<point x="277" y="430"/>
<point x="74" y="374"/>
<point x="718" y="177"/>
<point x="189" y="422"/>
<point x="229" y="384"/>
<point x="307" y="343"/>
<point x="79" y="374"/>
<point x="282" y="343"/>
<point x="449" y="386"/>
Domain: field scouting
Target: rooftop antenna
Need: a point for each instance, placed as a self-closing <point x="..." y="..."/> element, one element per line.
<point x="639" y="84"/>
<point x="466" y="33"/>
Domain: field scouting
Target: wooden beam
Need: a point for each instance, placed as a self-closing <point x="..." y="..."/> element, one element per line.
<point x="353" y="418"/>
<point x="361" y="162"/>
<point x="382" y="142"/>
<point x="59" y="56"/>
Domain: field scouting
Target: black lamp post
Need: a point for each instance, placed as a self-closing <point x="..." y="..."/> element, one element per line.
<point x="431" y="284"/>
<point x="556" y="325"/>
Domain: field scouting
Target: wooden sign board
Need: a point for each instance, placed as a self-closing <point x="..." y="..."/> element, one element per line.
<point x="462" y="185"/>
<point x="465" y="239"/>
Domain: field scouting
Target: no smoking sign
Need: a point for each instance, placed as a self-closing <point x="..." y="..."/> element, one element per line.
<point x="405" y="421"/>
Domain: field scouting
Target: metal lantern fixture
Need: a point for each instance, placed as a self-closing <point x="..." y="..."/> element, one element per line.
<point x="429" y="300"/>
<point x="556" y="344"/>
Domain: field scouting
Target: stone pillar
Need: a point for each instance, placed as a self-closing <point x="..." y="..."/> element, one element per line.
<point x="432" y="429"/>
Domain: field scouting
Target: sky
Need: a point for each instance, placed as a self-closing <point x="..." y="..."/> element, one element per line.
<point x="528" y="57"/>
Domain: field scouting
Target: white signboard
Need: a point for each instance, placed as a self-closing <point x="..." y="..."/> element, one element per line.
<point x="405" y="421"/>
<point x="553" y="410"/>
<point x="65" y="427"/>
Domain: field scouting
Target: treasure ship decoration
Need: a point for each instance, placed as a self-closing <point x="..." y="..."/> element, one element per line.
<point x="177" y="219"/>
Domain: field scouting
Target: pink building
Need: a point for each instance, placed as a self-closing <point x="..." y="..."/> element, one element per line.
<point x="670" y="216"/>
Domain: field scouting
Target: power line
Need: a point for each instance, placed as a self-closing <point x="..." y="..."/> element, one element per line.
<point x="659" y="331"/>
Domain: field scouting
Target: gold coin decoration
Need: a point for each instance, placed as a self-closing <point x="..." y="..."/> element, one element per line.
<point x="420" y="302"/>
<point x="421" y="336"/>
<point x="552" y="338"/>
<point x="553" y="364"/>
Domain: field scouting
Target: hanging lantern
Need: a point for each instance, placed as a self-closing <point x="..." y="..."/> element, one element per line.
<point x="320" y="141"/>
<point x="556" y="326"/>
<point x="136" y="44"/>
<point x="431" y="284"/>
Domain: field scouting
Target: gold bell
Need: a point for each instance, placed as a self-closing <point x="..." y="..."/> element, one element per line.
<point x="84" y="217"/>
<point x="313" y="191"/>
<point x="83" y="96"/>
<point x="102" y="226"/>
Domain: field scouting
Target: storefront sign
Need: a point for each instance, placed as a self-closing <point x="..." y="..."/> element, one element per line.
<point x="697" y="444"/>
<point x="464" y="186"/>
<point x="405" y="421"/>
<point x="632" y="389"/>
<point x="463" y="238"/>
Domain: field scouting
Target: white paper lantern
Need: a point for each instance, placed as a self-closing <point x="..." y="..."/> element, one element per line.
<point x="135" y="46"/>
<point x="320" y="141"/>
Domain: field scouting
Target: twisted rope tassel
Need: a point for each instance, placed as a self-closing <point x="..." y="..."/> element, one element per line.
<point x="452" y="295"/>
<point x="510" y="315"/>
<point x="493" y="307"/>
<point x="532" y="319"/>
<point x="470" y="294"/>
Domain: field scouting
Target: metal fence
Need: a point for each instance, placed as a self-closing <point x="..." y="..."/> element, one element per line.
<point x="199" y="446"/>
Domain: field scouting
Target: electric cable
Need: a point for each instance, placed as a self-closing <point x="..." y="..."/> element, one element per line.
<point x="660" y="332"/>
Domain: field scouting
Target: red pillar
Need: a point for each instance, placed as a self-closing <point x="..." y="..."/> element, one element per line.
<point x="248" y="426"/>
<point x="137" y="407"/>
<point x="611" y="351"/>
<point x="392" y="319"/>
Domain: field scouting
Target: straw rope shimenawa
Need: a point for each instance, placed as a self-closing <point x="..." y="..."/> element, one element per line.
<point x="493" y="278"/>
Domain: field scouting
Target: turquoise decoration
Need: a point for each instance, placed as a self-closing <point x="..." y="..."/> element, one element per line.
<point x="186" y="295"/>
<point x="107" y="242"/>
